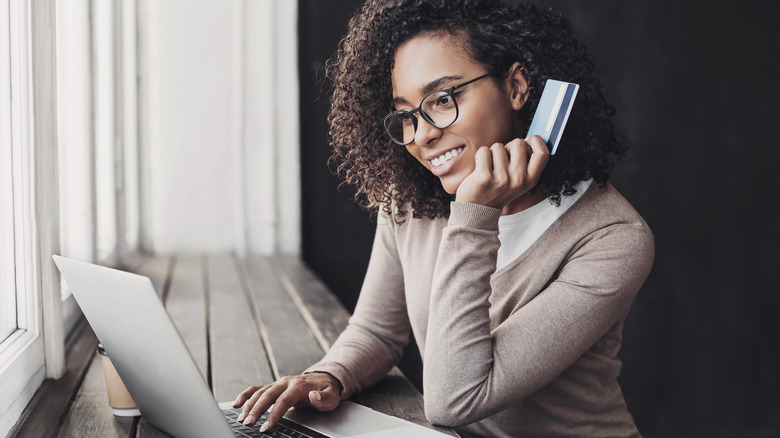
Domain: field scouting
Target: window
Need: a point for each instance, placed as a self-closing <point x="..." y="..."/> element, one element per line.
<point x="74" y="179"/>
<point x="25" y="288"/>
<point x="74" y="144"/>
<point x="96" y="130"/>
<point x="7" y="277"/>
<point x="107" y="144"/>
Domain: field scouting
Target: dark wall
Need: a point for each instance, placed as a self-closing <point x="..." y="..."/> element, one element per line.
<point x="337" y="234"/>
<point x="695" y="86"/>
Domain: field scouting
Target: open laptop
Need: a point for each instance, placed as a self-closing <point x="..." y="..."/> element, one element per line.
<point x="132" y="325"/>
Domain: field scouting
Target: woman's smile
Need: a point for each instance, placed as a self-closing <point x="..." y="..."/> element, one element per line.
<point x="443" y="163"/>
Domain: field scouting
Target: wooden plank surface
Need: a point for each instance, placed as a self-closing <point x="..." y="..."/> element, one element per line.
<point x="90" y="415"/>
<point x="158" y="270"/>
<point x="238" y="358"/>
<point x="52" y="401"/>
<point x="246" y="321"/>
<point x="317" y="304"/>
<point x="290" y="341"/>
<point x="186" y="303"/>
<point x="394" y="395"/>
<point x="146" y="430"/>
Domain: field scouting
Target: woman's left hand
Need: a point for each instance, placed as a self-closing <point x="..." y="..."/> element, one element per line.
<point x="503" y="173"/>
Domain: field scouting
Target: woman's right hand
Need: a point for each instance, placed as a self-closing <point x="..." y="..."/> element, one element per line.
<point x="319" y="390"/>
<point x="503" y="173"/>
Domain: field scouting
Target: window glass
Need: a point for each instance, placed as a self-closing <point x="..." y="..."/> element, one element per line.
<point x="7" y="281"/>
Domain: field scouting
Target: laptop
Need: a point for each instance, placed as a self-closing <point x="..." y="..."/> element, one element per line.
<point x="154" y="363"/>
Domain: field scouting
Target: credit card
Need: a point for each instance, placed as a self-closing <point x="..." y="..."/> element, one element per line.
<point x="553" y="112"/>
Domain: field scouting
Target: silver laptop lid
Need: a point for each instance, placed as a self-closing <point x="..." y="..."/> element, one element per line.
<point x="146" y="349"/>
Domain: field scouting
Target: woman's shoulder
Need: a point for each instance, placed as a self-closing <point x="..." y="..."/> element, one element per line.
<point x="602" y="216"/>
<point x="602" y="205"/>
<point x="602" y="237"/>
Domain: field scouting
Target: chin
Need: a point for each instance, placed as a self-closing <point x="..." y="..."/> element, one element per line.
<point x="450" y="187"/>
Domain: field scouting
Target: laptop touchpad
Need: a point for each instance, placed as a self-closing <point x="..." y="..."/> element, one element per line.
<point x="347" y="420"/>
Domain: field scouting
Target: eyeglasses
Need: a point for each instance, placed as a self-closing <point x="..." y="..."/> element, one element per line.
<point x="438" y="108"/>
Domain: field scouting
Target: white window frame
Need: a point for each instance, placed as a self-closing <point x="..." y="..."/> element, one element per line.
<point x="266" y="47"/>
<point x="107" y="143"/>
<point x="101" y="98"/>
<point x="129" y="227"/>
<point x="259" y="199"/>
<point x="97" y="130"/>
<point x="7" y="274"/>
<point x="75" y="142"/>
<point x="28" y="72"/>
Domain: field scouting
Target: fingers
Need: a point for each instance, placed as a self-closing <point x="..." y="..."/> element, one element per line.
<point x="321" y="390"/>
<point x="502" y="173"/>
<point x="539" y="157"/>
<point x="483" y="161"/>
<point x="326" y="399"/>
<point x="528" y="159"/>
<point x="244" y="396"/>
<point x="518" y="158"/>
<point x="323" y="398"/>
<point x="284" y="401"/>
<point x="253" y="408"/>
<point x="500" y="164"/>
<point x="272" y="395"/>
<point x="248" y="399"/>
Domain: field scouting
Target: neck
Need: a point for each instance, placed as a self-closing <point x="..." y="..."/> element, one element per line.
<point x="525" y="201"/>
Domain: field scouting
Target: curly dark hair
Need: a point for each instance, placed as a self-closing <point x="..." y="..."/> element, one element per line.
<point x="495" y="34"/>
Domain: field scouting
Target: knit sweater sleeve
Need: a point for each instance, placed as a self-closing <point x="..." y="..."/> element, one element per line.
<point x="472" y="371"/>
<point x="378" y="330"/>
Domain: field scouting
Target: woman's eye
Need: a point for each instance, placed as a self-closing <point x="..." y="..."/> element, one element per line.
<point x="407" y="118"/>
<point x="444" y="100"/>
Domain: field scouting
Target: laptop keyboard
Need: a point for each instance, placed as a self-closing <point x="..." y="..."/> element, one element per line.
<point x="283" y="429"/>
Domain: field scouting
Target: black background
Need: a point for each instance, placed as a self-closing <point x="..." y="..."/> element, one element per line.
<point x="695" y="86"/>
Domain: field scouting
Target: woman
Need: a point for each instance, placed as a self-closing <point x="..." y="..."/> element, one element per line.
<point x="513" y="269"/>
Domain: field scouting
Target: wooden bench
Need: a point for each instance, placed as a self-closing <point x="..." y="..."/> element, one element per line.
<point x="246" y="321"/>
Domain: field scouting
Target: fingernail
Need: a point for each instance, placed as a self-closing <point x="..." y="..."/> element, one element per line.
<point x="265" y="426"/>
<point x="241" y="417"/>
<point x="318" y="395"/>
<point x="248" y="420"/>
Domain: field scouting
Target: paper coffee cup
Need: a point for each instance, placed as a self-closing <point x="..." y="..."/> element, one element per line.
<point x="118" y="398"/>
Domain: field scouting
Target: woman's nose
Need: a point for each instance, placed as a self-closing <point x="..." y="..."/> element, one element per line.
<point x="426" y="132"/>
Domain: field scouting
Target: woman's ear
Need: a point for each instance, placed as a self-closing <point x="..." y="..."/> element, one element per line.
<point x="517" y="86"/>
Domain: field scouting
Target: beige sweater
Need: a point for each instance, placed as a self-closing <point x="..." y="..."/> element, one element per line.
<point x="529" y="350"/>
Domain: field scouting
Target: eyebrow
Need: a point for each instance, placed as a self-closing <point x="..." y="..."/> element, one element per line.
<point x="430" y="87"/>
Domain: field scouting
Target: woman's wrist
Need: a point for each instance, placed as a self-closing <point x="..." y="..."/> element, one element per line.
<point x="473" y="215"/>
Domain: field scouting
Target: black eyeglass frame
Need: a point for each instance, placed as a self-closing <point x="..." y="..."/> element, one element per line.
<point x="425" y="116"/>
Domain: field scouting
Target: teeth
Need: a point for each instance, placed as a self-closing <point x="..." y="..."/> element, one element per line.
<point x="441" y="159"/>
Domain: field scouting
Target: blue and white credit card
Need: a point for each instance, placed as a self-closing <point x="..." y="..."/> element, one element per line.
<point x="553" y="112"/>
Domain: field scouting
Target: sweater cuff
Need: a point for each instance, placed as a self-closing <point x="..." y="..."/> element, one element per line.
<point x="340" y="373"/>
<point x="466" y="214"/>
